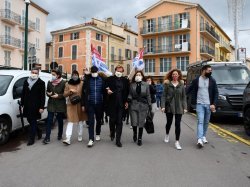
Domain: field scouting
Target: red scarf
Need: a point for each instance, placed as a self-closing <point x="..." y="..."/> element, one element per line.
<point x="56" y="82"/>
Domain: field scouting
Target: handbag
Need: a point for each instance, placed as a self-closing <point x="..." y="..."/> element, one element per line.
<point x="149" y="124"/>
<point x="75" y="99"/>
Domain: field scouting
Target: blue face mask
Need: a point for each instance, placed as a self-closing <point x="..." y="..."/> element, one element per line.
<point x="53" y="77"/>
<point x="75" y="78"/>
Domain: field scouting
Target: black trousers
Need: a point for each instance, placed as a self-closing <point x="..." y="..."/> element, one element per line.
<point x="177" y="124"/>
<point x="33" y="129"/>
<point x="115" y="123"/>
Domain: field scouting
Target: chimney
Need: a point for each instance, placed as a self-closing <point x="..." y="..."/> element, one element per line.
<point x="110" y="21"/>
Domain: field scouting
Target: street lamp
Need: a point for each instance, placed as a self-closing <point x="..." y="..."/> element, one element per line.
<point x="27" y="2"/>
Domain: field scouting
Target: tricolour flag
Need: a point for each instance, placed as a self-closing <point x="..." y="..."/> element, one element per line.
<point x="98" y="61"/>
<point x="138" y="61"/>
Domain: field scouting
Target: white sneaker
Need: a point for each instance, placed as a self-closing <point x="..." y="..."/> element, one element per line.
<point x="79" y="138"/>
<point x="131" y="127"/>
<point x="66" y="141"/>
<point x="200" y="143"/>
<point x="204" y="139"/>
<point x="166" y="139"/>
<point x="91" y="143"/>
<point x="177" y="145"/>
<point x="97" y="138"/>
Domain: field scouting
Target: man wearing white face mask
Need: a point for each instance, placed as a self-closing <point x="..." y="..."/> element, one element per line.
<point x="33" y="101"/>
<point x="117" y="88"/>
<point x="92" y="102"/>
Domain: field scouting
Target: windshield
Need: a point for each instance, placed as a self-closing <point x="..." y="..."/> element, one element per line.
<point x="231" y="75"/>
<point x="4" y="83"/>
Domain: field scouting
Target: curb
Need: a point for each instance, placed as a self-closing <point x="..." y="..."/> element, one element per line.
<point x="228" y="133"/>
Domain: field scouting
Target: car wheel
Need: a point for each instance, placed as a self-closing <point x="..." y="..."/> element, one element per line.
<point x="5" y="129"/>
<point x="247" y="121"/>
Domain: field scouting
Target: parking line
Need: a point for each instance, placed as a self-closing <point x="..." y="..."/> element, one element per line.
<point x="228" y="133"/>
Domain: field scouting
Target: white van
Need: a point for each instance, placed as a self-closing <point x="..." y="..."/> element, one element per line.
<point x="11" y="86"/>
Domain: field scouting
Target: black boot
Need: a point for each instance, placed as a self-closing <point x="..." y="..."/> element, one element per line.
<point x="140" y="136"/>
<point x="31" y="142"/>
<point x="135" y="134"/>
<point x="39" y="133"/>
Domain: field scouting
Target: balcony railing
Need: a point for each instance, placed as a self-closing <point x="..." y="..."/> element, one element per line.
<point x="172" y="26"/>
<point x="225" y="45"/>
<point x="29" y="45"/>
<point x="177" y="48"/>
<point x="31" y="24"/>
<point x="10" y="16"/>
<point x="10" y="41"/>
<point x="210" y="30"/>
<point x="206" y="49"/>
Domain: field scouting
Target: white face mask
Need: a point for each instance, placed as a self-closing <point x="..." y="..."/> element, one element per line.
<point x="53" y="77"/>
<point x="118" y="74"/>
<point x="94" y="74"/>
<point x="33" y="76"/>
<point x="138" y="78"/>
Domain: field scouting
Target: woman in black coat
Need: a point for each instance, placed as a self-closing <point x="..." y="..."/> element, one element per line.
<point x="33" y="101"/>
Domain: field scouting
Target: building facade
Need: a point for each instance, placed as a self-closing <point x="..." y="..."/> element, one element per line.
<point x="175" y="34"/>
<point x="72" y="46"/>
<point x="12" y="29"/>
<point x="123" y="44"/>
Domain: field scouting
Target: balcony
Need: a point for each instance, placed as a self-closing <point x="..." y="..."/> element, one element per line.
<point x="183" y="48"/>
<point x="31" y="25"/>
<point x="225" y="46"/>
<point x="10" y="17"/>
<point x="29" y="46"/>
<point x="209" y="32"/>
<point x="183" y="25"/>
<point x="10" y="42"/>
<point x="207" y="51"/>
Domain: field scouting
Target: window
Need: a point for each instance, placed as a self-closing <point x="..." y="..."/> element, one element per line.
<point x="120" y="54"/>
<point x="60" y="67"/>
<point x="99" y="48"/>
<point x="128" y="54"/>
<point x="128" y="39"/>
<point x="47" y="52"/>
<point x="99" y="37"/>
<point x="7" y="35"/>
<point x="149" y="65"/>
<point x="165" y="23"/>
<point x="165" y="64"/>
<point x="73" y="67"/>
<point x="150" y="25"/>
<point x="165" y="44"/>
<point x="136" y="42"/>
<point x="60" y="52"/>
<point x="7" y="4"/>
<point x="74" y="36"/>
<point x="7" y="58"/>
<point x="74" y="52"/>
<point x="182" y="63"/>
<point x="134" y="54"/>
<point x="61" y="38"/>
<point x="128" y="69"/>
<point x="149" y="44"/>
<point x="37" y="24"/>
<point x="112" y="68"/>
<point x="37" y="43"/>
<point x="112" y="54"/>
<point x="18" y="88"/>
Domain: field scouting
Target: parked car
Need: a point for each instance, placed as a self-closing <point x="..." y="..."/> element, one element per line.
<point x="246" y="109"/>
<point x="231" y="78"/>
<point x="11" y="86"/>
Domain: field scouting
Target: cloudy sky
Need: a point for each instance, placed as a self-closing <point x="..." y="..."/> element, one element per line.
<point x="64" y="13"/>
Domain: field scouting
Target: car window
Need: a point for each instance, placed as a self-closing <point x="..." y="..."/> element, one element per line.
<point x="5" y="82"/>
<point x="18" y="88"/>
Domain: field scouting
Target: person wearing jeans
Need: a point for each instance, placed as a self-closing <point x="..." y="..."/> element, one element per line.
<point x="56" y="104"/>
<point x="174" y="94"/>
<point x="204" y="94"/>
<point x="92" y="102"/>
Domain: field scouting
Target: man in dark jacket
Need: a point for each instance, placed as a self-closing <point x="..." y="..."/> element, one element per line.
<point x="92" y="101"/>
<point x="33" y="101"/>
<point x="117" y="88"/>
<point x="204" y="95"/>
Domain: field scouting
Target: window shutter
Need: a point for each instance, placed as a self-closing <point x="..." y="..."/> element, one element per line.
<point x="144" y="26"/>
<point x="176" y="21"/>
<point x="154" y="25"/>
<point x="159" y="24"/>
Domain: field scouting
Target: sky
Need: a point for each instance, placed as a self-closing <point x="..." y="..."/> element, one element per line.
<point x="65" y="13"/>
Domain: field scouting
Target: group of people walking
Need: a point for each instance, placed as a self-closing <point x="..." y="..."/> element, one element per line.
<point x="85" y="99"/>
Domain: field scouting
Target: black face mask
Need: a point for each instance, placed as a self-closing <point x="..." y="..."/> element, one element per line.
<point x="208" y="74"/>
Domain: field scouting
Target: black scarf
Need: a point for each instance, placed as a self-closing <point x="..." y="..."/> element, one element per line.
<point x="72" y="82"/>
<point x="138" y="88"/>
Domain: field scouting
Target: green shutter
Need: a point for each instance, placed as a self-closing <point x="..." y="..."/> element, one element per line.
<point x="154" y="25"/>
<point x="159" y="24"/>
<point x="144" y="29"/>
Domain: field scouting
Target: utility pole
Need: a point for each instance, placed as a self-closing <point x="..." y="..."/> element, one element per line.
<point x="27" y="2"/>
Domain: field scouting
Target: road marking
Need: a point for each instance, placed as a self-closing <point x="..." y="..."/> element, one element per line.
<point x="225" y="133"/>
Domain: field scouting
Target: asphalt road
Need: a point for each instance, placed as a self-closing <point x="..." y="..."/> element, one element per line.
<point x="155" y="163"/>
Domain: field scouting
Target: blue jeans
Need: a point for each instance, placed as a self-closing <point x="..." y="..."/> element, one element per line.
<point x="203" y="113"/>
<point x="59" y="117"/>
<point x="94" y="112"/>
<point x="158" y="101"/>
